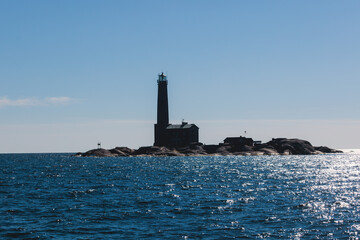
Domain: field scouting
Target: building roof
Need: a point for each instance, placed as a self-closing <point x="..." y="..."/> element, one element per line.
<point x="181" y="126"/>
<point x="236" y="138"/>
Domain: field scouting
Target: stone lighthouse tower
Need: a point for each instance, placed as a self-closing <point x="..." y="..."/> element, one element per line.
<point x="171" y="135"/>
<point x="162" y="111"/>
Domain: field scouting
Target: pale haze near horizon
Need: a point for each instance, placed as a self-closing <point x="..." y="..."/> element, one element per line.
<point x="77" y="73"/>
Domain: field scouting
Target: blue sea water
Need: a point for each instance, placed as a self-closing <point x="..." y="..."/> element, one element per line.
<point x="58" y="196"/>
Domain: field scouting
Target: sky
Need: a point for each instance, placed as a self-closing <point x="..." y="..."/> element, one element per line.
<point x="75" y="73"/>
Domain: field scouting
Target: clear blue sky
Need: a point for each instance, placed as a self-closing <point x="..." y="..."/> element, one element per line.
<point x="77" y="72"/>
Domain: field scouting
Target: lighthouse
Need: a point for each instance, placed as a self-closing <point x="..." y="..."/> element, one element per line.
<point x="166" y="134"/>
<point x="162" y="111"/>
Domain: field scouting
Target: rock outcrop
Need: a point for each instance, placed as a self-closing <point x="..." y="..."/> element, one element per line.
<point x="277" y="146"/>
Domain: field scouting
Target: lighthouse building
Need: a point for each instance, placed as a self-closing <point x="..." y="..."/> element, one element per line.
<point x="171" y="135"/>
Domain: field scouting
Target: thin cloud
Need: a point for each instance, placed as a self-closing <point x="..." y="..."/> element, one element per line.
<point x="5" y="102"/>
<point x="26" y="102"/>
<point x="58" y="100"/>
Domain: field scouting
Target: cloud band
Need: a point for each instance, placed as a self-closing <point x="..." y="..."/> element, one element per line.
<point x="25" y="102"/>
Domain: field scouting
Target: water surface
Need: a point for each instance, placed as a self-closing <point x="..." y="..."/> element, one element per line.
<point x="57" y="196"/>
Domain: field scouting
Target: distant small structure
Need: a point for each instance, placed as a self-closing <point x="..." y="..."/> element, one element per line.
<point x="99" y="145"/>
<point x="167" y="134"/>
<point x="239" y="141"/>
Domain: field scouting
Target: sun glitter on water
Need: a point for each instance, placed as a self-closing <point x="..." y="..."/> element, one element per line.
<point x="351" y="151"/>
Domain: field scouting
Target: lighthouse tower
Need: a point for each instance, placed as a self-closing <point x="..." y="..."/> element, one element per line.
<point x="162" y="112"/>
<point x="171" y="135"/>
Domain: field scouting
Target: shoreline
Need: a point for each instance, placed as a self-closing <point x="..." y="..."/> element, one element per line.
<point x="277" y="146"/>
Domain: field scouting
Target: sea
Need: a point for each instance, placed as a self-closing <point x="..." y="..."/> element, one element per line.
<point x="59" y="196"/>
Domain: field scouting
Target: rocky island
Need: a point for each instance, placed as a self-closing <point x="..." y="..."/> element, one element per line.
<point x="183" y="140"/>
<point x="277" y="146"/>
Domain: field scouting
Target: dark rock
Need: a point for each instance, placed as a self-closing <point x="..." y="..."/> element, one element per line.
<point x="224" y="150"/>
<point x="125" y="150"/>
<point x="118" y="153"/>
<point x="196" y="144"/>
<point x="146" y="150"/>
<point x="292" y="146"/>
<point x="210" y="149"/>
<point x="268" y="151"/>
<point x="164" y="151"/>
<point x="264" y="145"/>
<point x="243" y="148"/>
<point x="191" y="152"/>
<point x="327" y="150"/>
<point x="196" y="149"/>
<point x="98" y="153"/>
<point x="156" y="151"/>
